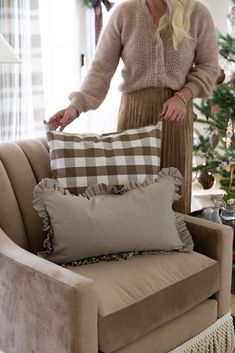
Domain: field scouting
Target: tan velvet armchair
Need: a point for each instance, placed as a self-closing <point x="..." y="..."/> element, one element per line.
<point x="147" y="304"/>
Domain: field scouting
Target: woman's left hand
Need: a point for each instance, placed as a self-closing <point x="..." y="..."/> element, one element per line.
<point x="173" y="109"/>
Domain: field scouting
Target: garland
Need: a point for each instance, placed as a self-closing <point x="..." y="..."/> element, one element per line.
<point x="87" y="3"/>
<point x="96" y="5"/>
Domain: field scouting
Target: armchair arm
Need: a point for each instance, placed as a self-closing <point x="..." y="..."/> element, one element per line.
<point x="216" y="241"/>
<point x="44" y="307"/>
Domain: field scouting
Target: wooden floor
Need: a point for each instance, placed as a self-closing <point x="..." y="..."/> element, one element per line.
<point x="233" y="304"/>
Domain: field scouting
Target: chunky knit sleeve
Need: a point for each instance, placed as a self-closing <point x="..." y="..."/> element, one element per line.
<point x="204" y="73"/>
<point x="97" y="81"/>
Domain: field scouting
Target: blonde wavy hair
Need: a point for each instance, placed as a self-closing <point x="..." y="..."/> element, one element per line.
<point x="178" y="17"/>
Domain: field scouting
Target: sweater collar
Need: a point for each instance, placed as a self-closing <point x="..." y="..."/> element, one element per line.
<point x="147" y="14"/>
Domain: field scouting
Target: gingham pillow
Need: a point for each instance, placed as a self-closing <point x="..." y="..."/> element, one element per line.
<point x="80" y="160"/>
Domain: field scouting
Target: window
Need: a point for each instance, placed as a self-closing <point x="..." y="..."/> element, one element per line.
<point x="60" y="48"/>
<point x="67" y="29"/>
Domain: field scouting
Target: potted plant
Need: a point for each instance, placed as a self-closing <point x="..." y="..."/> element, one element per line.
<point x="228" y="209"/>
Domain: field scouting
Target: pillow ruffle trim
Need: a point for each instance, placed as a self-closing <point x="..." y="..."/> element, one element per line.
<point x="101" y="189"/>
<point x="39" y="206"/>
<point x="183" y="232"/>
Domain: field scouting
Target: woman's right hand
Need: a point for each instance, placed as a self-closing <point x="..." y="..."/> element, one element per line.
<point x="63" y="117"/>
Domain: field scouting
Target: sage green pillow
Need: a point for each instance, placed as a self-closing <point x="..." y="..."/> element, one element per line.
<point x="105" y="220"/>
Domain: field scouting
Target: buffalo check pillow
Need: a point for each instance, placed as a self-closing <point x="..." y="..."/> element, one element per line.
<point x="80" y="160"/>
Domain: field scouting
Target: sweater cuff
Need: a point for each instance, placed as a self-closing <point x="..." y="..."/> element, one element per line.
<point x="77" y="104"/>
<point x="194" y="89"/>
<point x="199" y="92"/>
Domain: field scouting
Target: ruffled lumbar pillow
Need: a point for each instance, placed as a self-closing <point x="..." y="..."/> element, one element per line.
<point x="106" y="220"/>
<point x="80" y="160"/>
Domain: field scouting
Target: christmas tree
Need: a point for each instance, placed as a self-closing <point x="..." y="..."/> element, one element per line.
<point x="216" y="146"/>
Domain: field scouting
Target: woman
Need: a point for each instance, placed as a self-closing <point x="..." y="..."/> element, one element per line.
<point x="169" y="51"/>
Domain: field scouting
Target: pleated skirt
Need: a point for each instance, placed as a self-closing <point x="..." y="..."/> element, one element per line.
<point x="143" y="107"/>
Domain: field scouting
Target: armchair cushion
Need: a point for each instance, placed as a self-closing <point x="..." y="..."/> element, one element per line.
<point x="144" y="292"/>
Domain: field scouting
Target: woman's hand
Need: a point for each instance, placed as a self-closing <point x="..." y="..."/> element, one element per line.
<point x="63" y="118"/>
<point x="173" y="109"/>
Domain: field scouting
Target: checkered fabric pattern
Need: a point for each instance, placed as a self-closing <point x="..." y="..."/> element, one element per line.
<point x="80" y="160"/>
<point x="22" y="96"/>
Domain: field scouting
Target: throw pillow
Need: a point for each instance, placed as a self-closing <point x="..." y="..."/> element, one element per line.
<point x="80" y="160"/>
<point x="137" y="217"/>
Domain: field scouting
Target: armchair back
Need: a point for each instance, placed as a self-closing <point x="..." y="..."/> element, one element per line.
<point x="22" y="165"/>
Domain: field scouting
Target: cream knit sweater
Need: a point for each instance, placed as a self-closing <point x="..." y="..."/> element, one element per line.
<point x="150" y="59"/>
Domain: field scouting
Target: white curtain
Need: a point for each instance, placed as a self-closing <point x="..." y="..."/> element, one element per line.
<point x="21" y="86"/>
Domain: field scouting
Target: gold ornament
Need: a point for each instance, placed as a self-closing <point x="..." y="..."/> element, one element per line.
<point x="221" y="77"/>
<point x="215" y="108"/>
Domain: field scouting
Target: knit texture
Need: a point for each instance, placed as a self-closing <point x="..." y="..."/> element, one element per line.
<point x="149" y="58"/>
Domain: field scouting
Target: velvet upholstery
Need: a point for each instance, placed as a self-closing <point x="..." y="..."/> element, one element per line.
<point x="44" y="307"/>
<point x="170" y="285"/>
<point x="196" y="320"/>
<point x="47" y="308"/>
<point x="215" y="241"/>
<point x="18" y="218"/>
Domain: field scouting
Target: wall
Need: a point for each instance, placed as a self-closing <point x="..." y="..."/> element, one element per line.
<point x="218" y="9"/>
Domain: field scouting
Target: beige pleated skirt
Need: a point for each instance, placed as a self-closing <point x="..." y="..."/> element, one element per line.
<point x="143" y="108"/>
